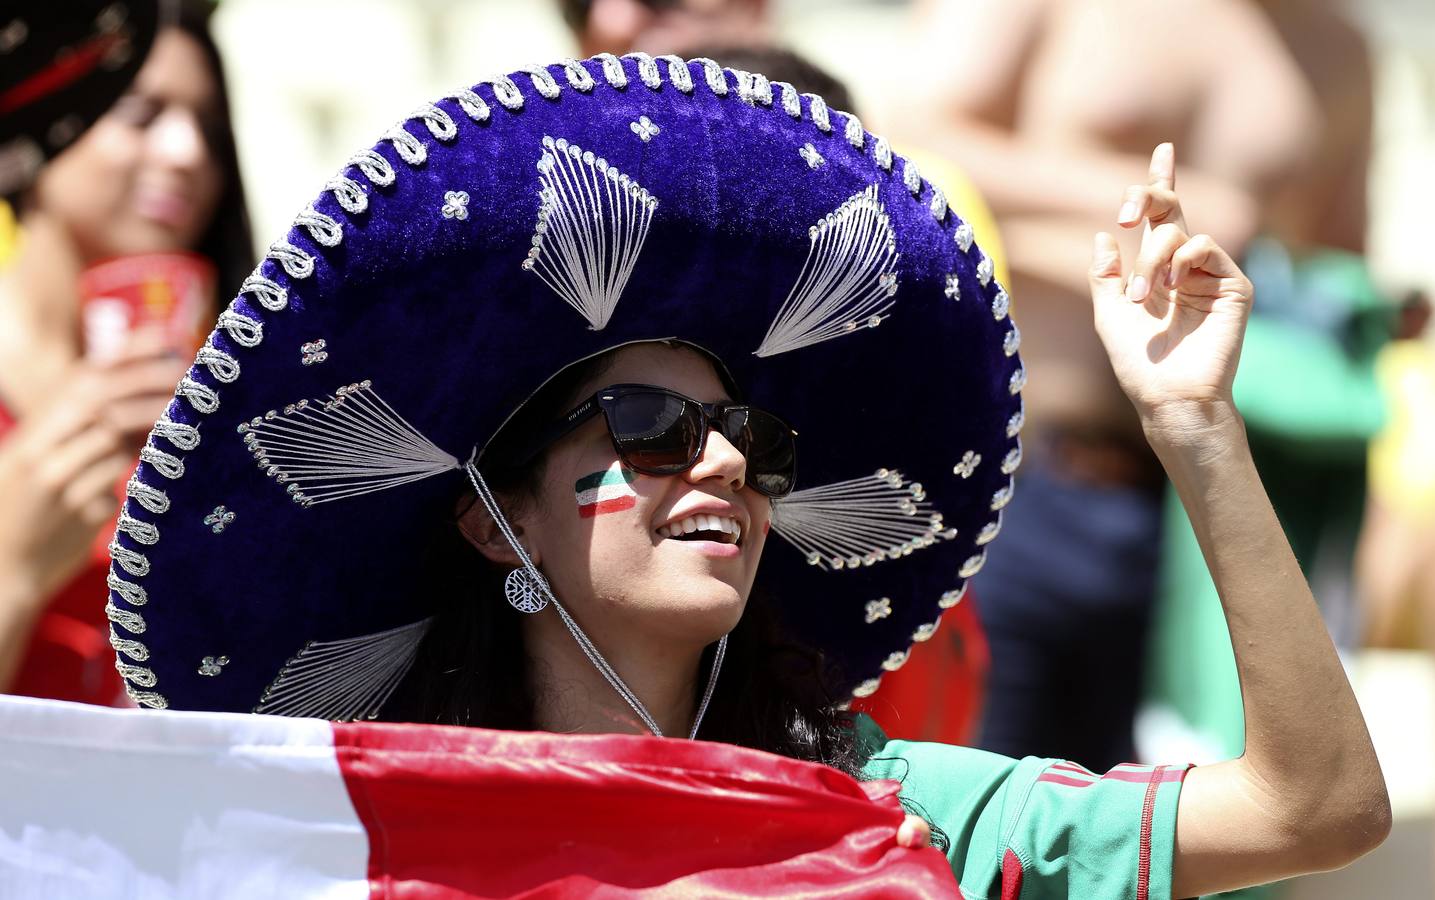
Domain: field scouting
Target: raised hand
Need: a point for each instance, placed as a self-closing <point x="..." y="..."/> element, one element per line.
<point x="1173" y="324"/>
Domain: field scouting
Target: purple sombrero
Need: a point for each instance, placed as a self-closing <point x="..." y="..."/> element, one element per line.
<point x="263" y="557"/>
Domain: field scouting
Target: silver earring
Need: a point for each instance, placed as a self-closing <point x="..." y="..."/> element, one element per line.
<point x="525" y="591"/>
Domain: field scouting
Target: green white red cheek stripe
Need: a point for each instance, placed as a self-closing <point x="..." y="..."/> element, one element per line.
<point x="604" y="492"/>
<point x="228" y="805"/>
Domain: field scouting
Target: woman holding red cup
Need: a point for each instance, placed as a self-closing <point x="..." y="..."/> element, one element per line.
<point x="108" y="285"/>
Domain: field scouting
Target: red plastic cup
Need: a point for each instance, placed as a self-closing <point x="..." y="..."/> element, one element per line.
<point x="173" y="292"/>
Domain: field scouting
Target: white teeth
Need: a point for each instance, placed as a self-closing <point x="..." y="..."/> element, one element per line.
<point x="702" y="522"/>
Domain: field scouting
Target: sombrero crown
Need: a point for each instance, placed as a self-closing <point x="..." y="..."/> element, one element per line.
<point x="264" y="558"/>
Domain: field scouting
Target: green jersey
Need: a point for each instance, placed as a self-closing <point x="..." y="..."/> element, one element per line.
<point x="1037" y="829"/>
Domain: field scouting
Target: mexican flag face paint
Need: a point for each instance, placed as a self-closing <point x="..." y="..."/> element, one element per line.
<point x="607" y="491"/>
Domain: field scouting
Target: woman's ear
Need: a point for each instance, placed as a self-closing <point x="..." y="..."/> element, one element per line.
<point x="479" y="529"/>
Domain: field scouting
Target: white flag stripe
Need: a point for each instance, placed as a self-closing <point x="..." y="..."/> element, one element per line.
<point x="148" y="804"/>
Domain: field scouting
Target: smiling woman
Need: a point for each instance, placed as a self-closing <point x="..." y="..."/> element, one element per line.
<point x="611" y="321"/>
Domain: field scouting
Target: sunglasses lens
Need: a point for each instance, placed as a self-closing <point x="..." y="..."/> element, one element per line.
<point x="767" y="443"/>
<point x="656" y="432"/>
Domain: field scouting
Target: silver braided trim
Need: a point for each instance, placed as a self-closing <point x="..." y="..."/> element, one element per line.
<point x="578" y="77"/>
<point x="911" y="177"/>
<point x="613" y="70"/>
<point x="185" y="437"/>
<point x="150" y="498"/>
<point x="202" y="397"/>
<point x="147" y="698"/>
<point x="439" y="123"/>
<point x="410" y="149"/>
<point x="853" y="131"/>
<point x="221" y="365"/>
<point x="678" y="73"/>
<point x="506" y="92"/>
<point x="543" y="81"/>
<point x="938" y="204"/>
<point x="141" y="532"/>
<point x="166" y="464"/>
<point x="791" y="100"/>
<point x="882" y="153"/>
<point x="349" y="193"/>
<point x="296" y="262"/>
<point x="373" y="166"/>
<point x="133" y="649"/>
<point x="323" y="229"/>
<point x="244" y="331"/>
<point x="266" y="293"/>
<point x="132" y="622"/>
<point x="713" y="73"/>
<point x="753" y="88"/>
<point x="647" y="69"/>
<point x="136" y="674"/>
<point x="472" y="105"/>
<point x="817" y="108"/>
<point x="130" y="592"/>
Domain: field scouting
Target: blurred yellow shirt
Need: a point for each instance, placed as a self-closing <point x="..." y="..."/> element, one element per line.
<point x="10" y="234"/>
<point x="1402" y="473"/>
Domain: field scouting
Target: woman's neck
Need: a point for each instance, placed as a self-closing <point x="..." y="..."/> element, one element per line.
<point x="39" y="312"/>
<point x="572" y="697"/>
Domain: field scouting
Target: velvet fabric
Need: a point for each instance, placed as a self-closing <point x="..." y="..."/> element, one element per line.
<point x="454" y="335"/>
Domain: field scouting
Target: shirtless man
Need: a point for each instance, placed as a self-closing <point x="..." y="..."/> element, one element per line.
<point x="1049" y="107"/>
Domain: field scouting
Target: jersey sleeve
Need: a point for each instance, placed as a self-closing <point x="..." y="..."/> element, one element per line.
<point x="1039" y="829"/>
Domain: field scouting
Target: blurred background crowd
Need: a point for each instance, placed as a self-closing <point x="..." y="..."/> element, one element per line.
<point x="1305" y="143"/>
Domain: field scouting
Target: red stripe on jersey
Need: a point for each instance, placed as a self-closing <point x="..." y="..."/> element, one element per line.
<point x="1148" y="813"/>
<point x="1053" y="778"/>
<point x="1073" y="767"/>
<point x="1011" y="876"/>
<point x="1161" y="774"/>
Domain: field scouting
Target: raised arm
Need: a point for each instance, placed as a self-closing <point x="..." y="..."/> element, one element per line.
<point x="1308" y="794"/>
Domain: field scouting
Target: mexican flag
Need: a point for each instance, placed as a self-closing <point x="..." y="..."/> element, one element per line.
<point x="607" y="491"/>
<point x="98" y="803"/>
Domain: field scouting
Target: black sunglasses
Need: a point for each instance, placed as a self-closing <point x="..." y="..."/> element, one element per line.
<point x="661" y="432"/>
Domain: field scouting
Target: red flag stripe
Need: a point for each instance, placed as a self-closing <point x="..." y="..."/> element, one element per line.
<point x="469" y="812"/>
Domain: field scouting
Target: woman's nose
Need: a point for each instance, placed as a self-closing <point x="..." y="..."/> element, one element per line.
<point x="720" y="459"/>
<point x="176" y="137"/>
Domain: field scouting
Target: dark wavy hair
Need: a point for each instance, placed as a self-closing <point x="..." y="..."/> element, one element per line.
<point x="473" y="669"/>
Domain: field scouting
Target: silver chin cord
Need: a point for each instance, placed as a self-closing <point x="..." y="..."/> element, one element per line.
<point x="589" y="650"/>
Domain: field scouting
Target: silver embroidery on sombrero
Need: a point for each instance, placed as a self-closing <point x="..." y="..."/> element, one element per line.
<point x="346" y="679"/>
<point x="859" y="522"/>
<point x="847" y="281"/>
<point x="952" y="598"/>
<point x="351" y="444"/>
<point x="592" y="222"/>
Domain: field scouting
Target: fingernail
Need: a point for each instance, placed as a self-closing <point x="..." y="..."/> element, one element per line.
<point x="1127" y="213"/>
<point x="1170" y="279"/>
<point x="1138" y="288"/>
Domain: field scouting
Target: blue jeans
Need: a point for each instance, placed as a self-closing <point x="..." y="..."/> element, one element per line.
<point x="1066" y="597"/>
